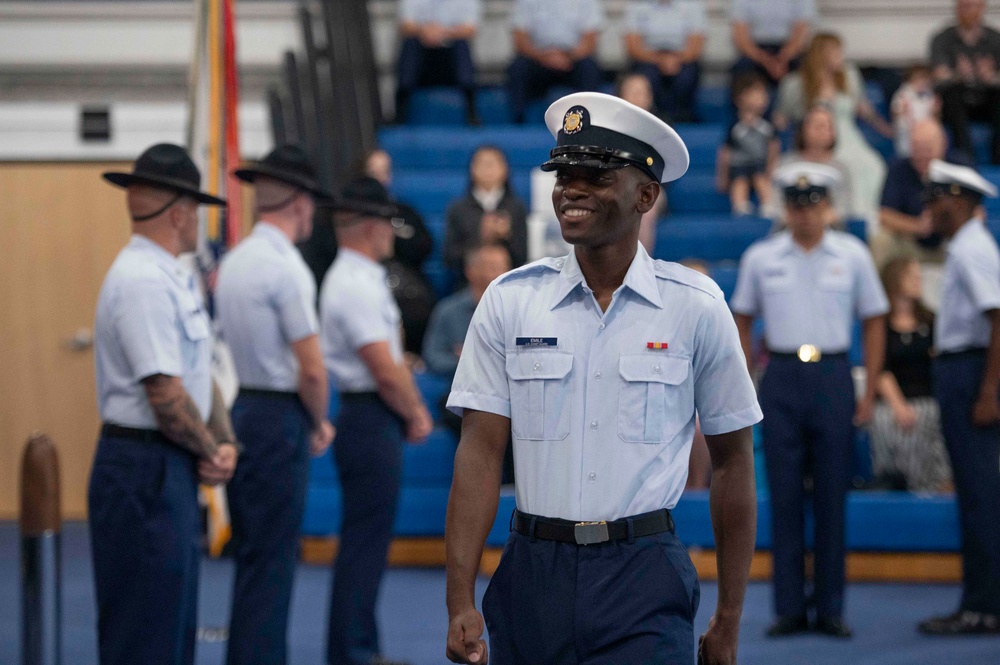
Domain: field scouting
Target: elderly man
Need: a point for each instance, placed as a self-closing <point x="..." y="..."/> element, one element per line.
<point x="966" y="57"/>
<point x="770" y="35"/>
<point x="905" y="229"/>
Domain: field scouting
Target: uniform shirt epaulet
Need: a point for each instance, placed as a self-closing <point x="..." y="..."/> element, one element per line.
<point x="549" y="263"/>
<point x="675" y="272"/>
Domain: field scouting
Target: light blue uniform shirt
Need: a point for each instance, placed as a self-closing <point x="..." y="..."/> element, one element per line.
<point x="602" y="425"/>
<point x="665" y="25"/>
<point x="356" y="309"/>
<point x="971" y="287"/>
<point x="771" y="21"/>
<point x="447" y="13"/>
<point x="809" y="297"/>
<point x="558" y="24"/>
<point x="265" y="301"/>
<point x="150" y="320"/>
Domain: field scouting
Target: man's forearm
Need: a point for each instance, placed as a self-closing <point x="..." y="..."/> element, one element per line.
<point x="991" y="375"/>
<point x="893" y="220"/>
<point x="219" y="423"/>
<point x="733" y="505"/>
<point x="873" y="336"/>
<point x="472" y="507"/>
<point x="315" y="394"/>
<point x="177" y="416"/>
<point x="400" y="393"/>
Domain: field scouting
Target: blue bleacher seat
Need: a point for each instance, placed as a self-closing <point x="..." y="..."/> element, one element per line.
<point x="493" y="107"/>
<point x="432" y="388"/>
<point x="695" y="193"/>
<point x="725" y="277"/>
<point x="436" y="106"/>
<point x="451" y="147"/>
<point x="702" y="142"/>
<point x="442" y="279"/>
<point x="857" y="228"/>
<point x="708" y="237"/>
<point x="876" y="96"/>
<point x="713" y="105"/>
<point x="432" y="462"/>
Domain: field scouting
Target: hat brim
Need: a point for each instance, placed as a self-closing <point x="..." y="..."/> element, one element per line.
<point x="386" y="211"/>
<point x="587" y="162"/>
<point x="250" y="173"/>
<point x="123" y="180"/>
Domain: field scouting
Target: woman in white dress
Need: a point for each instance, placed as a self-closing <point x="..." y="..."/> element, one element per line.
<point x="825" y="78"/>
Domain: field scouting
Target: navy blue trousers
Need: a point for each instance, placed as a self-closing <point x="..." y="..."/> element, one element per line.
<point x="674" y="95"/>
<point x="144" y="532"/>
<point x="369" y="454"/>
<point x="808" y="429"/>
<point x="420" y="65"/>
<point x="618" y="602"/>
<point x="266" y="500"/>
<point x="974" y="453"/>
<point x="527" y="79"/>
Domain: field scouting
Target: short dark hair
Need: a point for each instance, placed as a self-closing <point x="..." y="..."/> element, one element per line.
<point x="472" y="250"/>
<point x="745" y="82"/>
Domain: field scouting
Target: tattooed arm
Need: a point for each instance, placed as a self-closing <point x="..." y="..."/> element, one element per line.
<point x="178" y="416"/>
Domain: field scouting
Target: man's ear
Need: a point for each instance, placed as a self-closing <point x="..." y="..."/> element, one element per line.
<point x="648" y="192"/>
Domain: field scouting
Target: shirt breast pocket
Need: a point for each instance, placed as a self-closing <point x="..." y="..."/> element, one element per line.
<point x="836" y="291"/>
<point x="540" y="398"/>
<point x="656" y="398"/>
<point x="196" y="332"/>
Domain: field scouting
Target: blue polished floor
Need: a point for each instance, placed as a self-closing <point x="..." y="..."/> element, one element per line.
<point x="414" y="621"/>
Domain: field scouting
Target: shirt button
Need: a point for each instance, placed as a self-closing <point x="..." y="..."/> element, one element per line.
<point x="656" y="368"/>
<point x="536" y="366"/>
<point x="601" y="326"/>
<point x="593" y="424"/>
<point x="598" y="374"/>
<point x="592" y="476"/>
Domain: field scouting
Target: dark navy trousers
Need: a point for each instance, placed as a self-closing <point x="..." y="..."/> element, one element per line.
<point x="266" y="502"/>
<point x="369" y="454"/>
<point x="627" y="603"/>
<point x="674" y="95"/>
<point x="808" y="429"/>
<point x="974" y="453"/>
<point x="420" y="65"/>
<point x="144" y="533"/>
<point x="527" y="79"/>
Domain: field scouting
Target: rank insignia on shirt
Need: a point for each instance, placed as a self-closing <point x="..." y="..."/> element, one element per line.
<point x="657" y="346"/>
<point x="536" y="341"/>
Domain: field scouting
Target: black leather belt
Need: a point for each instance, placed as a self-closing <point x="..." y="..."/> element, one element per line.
<point x="591" y="533"/>
<point x="265" y="392"/>
<point x="134" y="433"/>
<point x="808" y="353"/>
<point x="966" y="353"/>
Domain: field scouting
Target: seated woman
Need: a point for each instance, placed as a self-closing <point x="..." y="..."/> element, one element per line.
<point x="816" y="141"/>
<point x="825" y="77"/>
<point x="488" y="213"/>
<point x="906" y="440"/>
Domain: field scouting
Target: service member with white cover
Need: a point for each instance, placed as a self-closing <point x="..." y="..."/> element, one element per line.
<point x="809" y="283"/>
<point x="596" y="364"/>
<point x="165" y="425"/>
<point x="266" y="307"/>
<point x="966" y="377"/>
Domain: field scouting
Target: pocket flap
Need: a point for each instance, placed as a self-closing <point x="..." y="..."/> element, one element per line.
<point x="528" y="365"/>
<point x="653" y="368"/>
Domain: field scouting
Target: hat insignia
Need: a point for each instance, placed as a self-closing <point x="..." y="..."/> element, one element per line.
<point x="573" y="121"/>
<point x="803" y="182"/>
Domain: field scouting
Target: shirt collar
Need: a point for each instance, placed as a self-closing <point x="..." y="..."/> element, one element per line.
<point x="970" y="228"/>
<point x="273" y="235"/>
<point x="363" y="262"/>
<point x="640" y="278"/>
<point x="167" y="261"/>
<point x="787" y="245"/>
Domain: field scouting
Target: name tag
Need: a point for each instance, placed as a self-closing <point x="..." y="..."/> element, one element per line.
<point x="536" y="341"/>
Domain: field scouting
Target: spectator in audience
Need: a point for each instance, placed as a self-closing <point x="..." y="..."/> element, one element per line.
<point x="413" y="244"/>
<point x="555" y="41"/>
<point x="966" y="58"/>
<point x="809" y="284"/>
<point x="488" y="213"/>
<point x="770" y="35"/>
<point x="747" y="157"/>
<point x="914" y="101"/>
<point x="664" y="40"/>
<point x="905" y="230"/>
<point x="825" y="77"/>
<point x="450" y="323"/>
<point x="816" y="141"/>
<point x="435" y="49"/>
<point x="906" y="439"/>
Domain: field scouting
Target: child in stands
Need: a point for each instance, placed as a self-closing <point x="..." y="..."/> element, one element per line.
<point x="750" y="150"/>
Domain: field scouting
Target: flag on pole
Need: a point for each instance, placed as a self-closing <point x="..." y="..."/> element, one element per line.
<point x="213" y="142"/>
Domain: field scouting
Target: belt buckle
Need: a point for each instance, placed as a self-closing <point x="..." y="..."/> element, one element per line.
<point x="591" y="533"/>
<point x="809" y="354"/>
